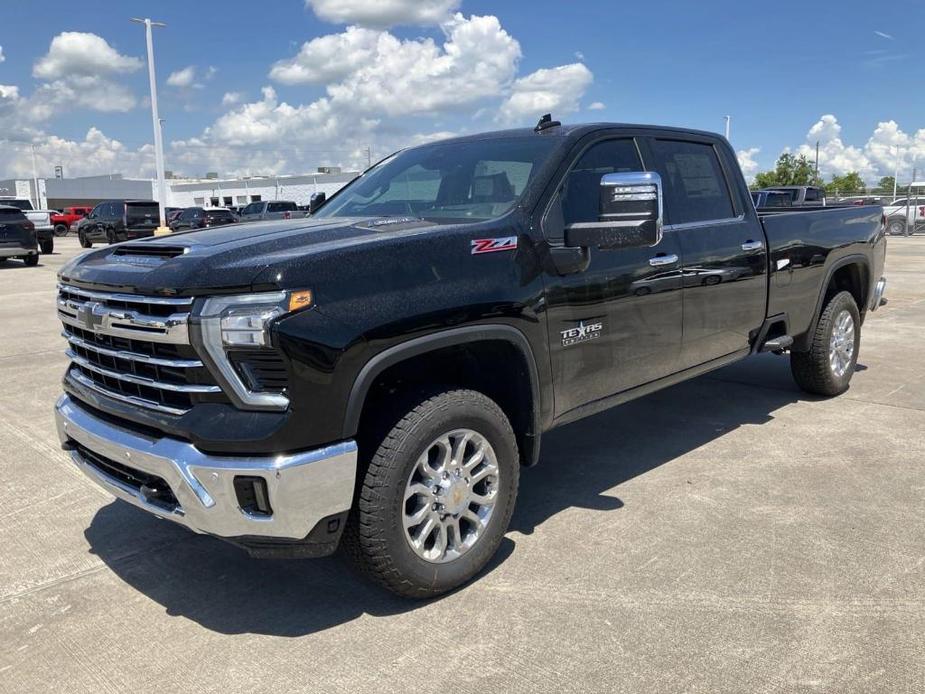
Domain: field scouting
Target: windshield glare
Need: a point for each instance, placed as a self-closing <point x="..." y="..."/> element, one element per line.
<point x="445" y="183"/>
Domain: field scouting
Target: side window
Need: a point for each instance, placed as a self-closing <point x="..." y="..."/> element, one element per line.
<point x="581" y="190"/>
<point x="812" y="195"/>
<point x="695" y="187"/>
<point x="97" y="211"/>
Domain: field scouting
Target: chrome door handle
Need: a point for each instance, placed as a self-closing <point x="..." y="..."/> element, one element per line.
<point x="752" y="246"/>
<point x="660" y="260"/>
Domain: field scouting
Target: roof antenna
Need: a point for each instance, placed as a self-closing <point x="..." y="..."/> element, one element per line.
<point x="546" y="122"/>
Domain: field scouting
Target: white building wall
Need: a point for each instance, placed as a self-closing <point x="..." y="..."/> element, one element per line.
<point x="299" y="189"/>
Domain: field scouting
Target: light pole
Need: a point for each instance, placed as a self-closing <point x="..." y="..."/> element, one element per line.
<point x="727" y="119"/>
<point x="895" y="171"/>
<point x="158" y="140"/>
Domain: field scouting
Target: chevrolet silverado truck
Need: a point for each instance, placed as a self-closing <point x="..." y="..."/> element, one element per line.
<point x="63" y="220"/>
<point x="376" y="376"/>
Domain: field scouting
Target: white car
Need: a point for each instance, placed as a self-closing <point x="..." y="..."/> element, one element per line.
<point x="903" y="212"/>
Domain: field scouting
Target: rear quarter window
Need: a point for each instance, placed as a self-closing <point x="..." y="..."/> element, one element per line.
<point x="695" y="188"/>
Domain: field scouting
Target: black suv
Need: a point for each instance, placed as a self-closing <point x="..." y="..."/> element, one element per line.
<point x="198" y="218"/>
<point x="119" y="220"/>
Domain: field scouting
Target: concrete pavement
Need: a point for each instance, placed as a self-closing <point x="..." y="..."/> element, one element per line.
<point x="728" y="534"/>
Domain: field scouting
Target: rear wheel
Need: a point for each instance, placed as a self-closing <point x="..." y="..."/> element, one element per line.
<point x="48" y="246"/>
<point x="826" y="368"/>
<point x="897" y="226"/>
<point x="31" y="260"/>
<point x="437" y="495"/>
<point x="61" y="230"/>
<point x="84" y="241"/>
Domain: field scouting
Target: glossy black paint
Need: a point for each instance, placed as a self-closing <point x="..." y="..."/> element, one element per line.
<point x="110" y="222"/>
<point x="393" y="287"/>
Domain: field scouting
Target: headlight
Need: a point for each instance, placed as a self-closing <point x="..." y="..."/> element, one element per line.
<point x="243" y="322"/>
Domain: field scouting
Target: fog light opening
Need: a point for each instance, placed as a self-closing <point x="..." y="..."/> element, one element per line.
<point x="253" y="497"/>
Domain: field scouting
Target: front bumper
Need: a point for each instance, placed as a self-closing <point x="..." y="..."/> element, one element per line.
<point x="304" y="488"/>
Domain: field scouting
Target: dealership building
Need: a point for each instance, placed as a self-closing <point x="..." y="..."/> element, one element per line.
<point x="56" y="193"/>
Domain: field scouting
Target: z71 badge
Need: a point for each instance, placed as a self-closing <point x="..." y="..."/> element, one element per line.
<point x="583" y="332"/>
<point x="507" y="243"/>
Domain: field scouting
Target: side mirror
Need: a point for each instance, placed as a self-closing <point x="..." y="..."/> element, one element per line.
<point x="316" y="201"/>
<point x="630" y="213"/>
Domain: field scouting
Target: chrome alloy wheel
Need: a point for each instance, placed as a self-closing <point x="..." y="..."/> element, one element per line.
<point x="450" y="496"/>
<point x="841" y="344"/>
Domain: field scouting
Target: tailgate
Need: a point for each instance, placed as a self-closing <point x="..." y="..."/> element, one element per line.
<point x="142" y="215"/>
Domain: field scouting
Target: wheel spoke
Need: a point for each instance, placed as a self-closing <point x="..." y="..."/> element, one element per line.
<point x="418" y="489"/>
<point x="459" y="447"/>
<point x="473" y="518"/>
<point x="482" y="473"/>
<point x="454" y="535"/>
<point x="439" y="547"/>
<point x="418" y="516"/>
<point x="421" y="536"/>
<point x="487" y="499"/>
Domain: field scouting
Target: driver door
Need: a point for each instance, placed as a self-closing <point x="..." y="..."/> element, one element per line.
<point x="616" y="324"/>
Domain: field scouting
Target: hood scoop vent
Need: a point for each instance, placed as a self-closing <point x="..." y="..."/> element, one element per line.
<point x="150" y="251"/>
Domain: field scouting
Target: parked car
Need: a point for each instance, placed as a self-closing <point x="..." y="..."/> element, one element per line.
<point x="803" y="196"/>
<point x="18" y="238"/>
<point x="41" y="219"/>
<point x="378" y="374"/>
<point x="199" y="218"/>
<point x="904" y="215"/>
<point x="771" y="198"/>
<point x="62" y="221"/>
<point x="270" y="209"/>
<point x="119" y="220"/>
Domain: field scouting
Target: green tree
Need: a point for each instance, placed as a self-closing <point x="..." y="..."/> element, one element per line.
<point x="790" y="170"/>
<point x="886" y="184"/>
<point x="851" y="182"/>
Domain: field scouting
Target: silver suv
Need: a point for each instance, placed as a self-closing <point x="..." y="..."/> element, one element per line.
<point x="270" y="209"/>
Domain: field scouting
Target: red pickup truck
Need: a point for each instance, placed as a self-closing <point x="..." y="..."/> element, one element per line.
<point x="63" y="220"/>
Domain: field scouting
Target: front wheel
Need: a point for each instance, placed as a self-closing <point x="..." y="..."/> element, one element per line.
<point x="437" y="495"/>
<point x="48" y="246"/>
<point x="826" y="368"/>
<point x="84" y="241"/>
<point x="897" y="226"/>
<point x="31" y="260"/>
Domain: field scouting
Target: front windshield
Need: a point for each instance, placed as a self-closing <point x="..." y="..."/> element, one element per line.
<point x="445" y="183"/>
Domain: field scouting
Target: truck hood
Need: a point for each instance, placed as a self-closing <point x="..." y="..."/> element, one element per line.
<point x="226" y="258"/>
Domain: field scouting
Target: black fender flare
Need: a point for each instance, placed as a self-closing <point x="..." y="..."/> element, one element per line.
<point x="439" y="340"/>
<point x="853" y="259"/>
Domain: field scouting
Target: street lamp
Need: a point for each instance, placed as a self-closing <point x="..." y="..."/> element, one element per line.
<point x="158" y="140"/>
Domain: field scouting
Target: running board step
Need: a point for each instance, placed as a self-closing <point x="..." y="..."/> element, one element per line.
<point x="777" y="344"/>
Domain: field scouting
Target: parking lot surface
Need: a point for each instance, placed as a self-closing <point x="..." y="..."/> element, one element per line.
<point x="727" y="534"/>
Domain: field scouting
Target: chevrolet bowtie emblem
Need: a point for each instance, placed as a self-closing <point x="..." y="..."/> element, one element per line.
<point x="90" y="315"/>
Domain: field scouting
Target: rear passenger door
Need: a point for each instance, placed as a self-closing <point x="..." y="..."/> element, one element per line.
<point x="723" y="247"/>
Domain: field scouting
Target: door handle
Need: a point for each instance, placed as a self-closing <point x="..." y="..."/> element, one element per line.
<point x="660" y="260"/>
<point x="752" y="246"/>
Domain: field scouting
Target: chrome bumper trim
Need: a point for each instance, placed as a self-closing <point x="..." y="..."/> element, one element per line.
<point x="303" y="487"/>
<point x="139" y="380"/>
<point x="879" y="290"/>
<point x="88" y="383"/>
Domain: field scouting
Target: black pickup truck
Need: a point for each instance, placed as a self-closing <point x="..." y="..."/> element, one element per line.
<point x="375" y="376"/>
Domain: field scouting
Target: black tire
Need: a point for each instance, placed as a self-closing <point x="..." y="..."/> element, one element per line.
<point x="61" y="230"/>
<point x="48" y="247"/>
<point x="375" y="536"/>
<point x="31" y="260"/>
<point x="84" y="241"/>
<point x="111" y="237"/>
<point x="896" y="226"/>
<point x="813" y="370"/>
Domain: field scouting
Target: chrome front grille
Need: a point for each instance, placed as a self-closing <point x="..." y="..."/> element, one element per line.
<point x="134" y="349"/>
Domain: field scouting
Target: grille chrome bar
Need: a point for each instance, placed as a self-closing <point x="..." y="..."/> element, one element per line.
<point x="94" y="316"/>
<point x="139" y="380"/>
<point x="121" y="397"/>
<point x="127" y="298"/>
<point x="131" y="356"/>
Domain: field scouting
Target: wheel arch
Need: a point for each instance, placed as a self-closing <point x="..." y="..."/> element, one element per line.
<point x="851" y="273"/>
<point x="527" y="425"/>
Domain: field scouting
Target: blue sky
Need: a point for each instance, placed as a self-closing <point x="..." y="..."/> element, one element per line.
<point x="776" y="69"/>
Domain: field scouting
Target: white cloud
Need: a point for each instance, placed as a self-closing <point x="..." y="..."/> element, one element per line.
<point x="94" y="93"/>
<point x="884" y="35"/>
<point x="383" y="13"/>
<point x="747" y="161"/>
<point x="79" y="53"/>
<point x="596" y="106"/>
<point x="328" y="58"/>
<point x="232" y="98"/>
<point x="182" y="78"/>
<point x="549" y="90"/>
